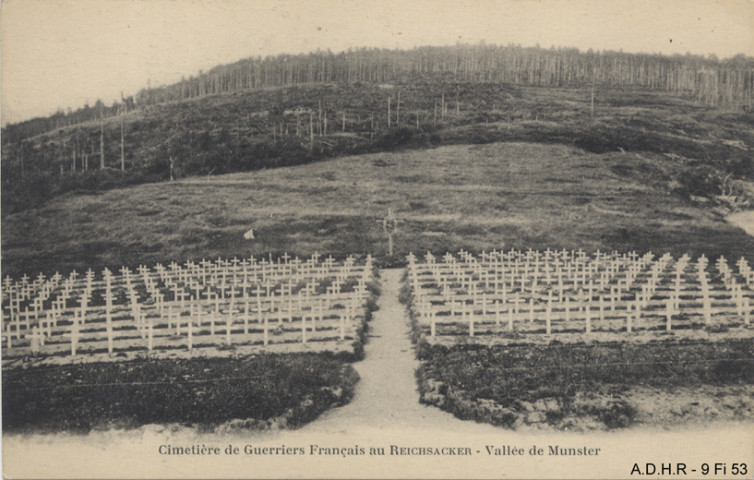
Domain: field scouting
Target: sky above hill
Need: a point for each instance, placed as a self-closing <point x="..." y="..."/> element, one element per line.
<point x="66" y="53"/>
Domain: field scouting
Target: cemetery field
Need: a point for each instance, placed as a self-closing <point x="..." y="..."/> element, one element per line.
<point x="472" y="197"/>
<point x="496" y="196"/>
<point x="242" y="343"/>
<point x="566" y="340"/>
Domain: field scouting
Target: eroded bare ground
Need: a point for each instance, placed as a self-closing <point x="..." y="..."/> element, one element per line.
<point x="743" y="220"/>
<point x="704" y="404"/>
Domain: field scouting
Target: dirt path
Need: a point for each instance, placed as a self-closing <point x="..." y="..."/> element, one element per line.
<point x="387" y="395"/>
<point x="745" y="220"/>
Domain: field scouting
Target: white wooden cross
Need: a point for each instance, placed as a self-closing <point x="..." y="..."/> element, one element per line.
<point x="669" y="315"/>
<point x="190" y="325"/>
<point x="37" y="339"/>
<point x="108" y="310"/>
<point x="548" y="313"/>
<point x="229" y="320"/>
<point x="706" y="304"/>
<point x="390" y="227"/>
<point x="287" y="292"/>
<point x="332" y="291"/>
<point x="311" y="288"/>
<point x="588" y="315"/>
<point x="74" y="335"/>
<point x="258" y="291"/>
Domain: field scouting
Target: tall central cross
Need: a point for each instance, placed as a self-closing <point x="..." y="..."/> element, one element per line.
<point x="390" y="226"/>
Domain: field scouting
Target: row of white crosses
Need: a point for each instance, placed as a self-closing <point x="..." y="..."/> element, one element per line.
<point x="262" y="289"/>
<point x="182" y="300"/>
<point x="35" y="321"/>
<point x="526" y="272"/>
<point x="736" y="289"/>
<point x="569" y="285"/>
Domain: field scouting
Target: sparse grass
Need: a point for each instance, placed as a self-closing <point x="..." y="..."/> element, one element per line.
<point x="477" y="197"/>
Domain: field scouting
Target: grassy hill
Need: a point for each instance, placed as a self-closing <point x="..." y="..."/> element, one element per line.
<point x="267" y="128"/>
<point x="475" y="197"/>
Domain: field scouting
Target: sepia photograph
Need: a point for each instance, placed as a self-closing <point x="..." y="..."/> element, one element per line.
<point x="377" y="239"/>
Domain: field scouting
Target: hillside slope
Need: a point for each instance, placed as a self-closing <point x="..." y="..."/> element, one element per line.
<point x="272" y="127"/>
<point x="475" y="197"/>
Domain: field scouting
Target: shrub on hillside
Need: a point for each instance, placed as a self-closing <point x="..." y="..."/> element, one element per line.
<point x="700" y="181"/>
<point x="395" y="137"/>
<point x="34" y="189"/>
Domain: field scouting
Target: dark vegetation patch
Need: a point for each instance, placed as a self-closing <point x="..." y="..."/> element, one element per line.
<point x="382" y="163"/>
<point x="468" y="230"/>
<point x="148" y="213"/>
<point x="679" y="239"/>
<point x="410" y="178"/>
<point x="501" y="384"/>
<point x="33" y="190"/>
<point x="200" y="392"/>
<point x="560" y="180"/>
